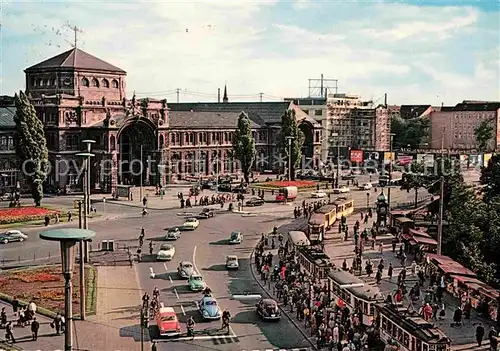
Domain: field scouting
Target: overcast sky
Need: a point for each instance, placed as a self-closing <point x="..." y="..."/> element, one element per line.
<point x="418" y="52"/>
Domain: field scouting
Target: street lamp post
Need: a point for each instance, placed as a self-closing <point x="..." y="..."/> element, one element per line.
<point x="391" y="135"/>
<point x="142" y="174"/>
<point x="83" y="244"/>
<point x="217" y="166"/>
<point x="367" y="200"/>
<point x="68" y="237"/>
<point x="336" y="135"/>
<point x="289" y="138"/>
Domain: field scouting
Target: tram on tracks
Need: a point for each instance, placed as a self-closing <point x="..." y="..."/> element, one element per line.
<point x="408" y="330"/>
<point x="326" y="216"/>
<point x="349" y="290"/>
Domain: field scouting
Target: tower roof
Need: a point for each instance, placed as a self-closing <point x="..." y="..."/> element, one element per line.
<point x="77" y="59"/>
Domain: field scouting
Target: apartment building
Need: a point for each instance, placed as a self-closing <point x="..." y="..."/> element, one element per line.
<point x="452" y="127"/>
<point x="357" y="124"/>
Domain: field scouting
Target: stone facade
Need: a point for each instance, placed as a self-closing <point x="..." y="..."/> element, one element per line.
<point x="80" y="97"/>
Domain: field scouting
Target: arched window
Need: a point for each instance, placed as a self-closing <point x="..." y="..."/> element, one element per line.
<point x="95" y="83"/>
<point x="85" y="82"/>
<point x="114" y="84"/>
<point x="105" y="83"/>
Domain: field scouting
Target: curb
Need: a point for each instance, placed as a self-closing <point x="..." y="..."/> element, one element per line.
<point x="306" y="337"/>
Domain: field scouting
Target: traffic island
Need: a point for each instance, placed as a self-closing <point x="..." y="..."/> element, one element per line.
<point x="45" y="287"/>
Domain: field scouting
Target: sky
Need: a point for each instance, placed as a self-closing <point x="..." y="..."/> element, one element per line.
<point x="418" y="52"/>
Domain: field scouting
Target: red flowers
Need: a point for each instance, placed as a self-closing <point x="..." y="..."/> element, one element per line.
<point x="24" y="214"/>
<point x="297" y="183"/>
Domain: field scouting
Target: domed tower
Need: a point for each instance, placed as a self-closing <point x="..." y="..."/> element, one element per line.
<point x="382" y="209"/>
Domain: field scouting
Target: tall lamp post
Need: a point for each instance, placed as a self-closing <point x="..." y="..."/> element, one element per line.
<point x="391" y="136"/>
<point x="83" y="244"/>
<point x="289" y="138"/>
<point x="217" y="166"/>
<point x="336" y="136"/>
<point x="68" y="237"/>
<point x="367" y="200"/>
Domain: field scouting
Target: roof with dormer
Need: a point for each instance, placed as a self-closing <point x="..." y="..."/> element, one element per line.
<point x="75" y="59"/>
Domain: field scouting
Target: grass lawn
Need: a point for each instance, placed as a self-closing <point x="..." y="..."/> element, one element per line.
<point x="45" y="286"/>
<point x="276" y="184"/>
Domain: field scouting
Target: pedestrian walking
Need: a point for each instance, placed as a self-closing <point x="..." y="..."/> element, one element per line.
<point x="35" y="326"/>
<point x="9" y="335"/>
<point x="70" y="215"/>
<point x="479" y="333"/>
<point x="15" y="305"/>
<point x="56" y="323"/>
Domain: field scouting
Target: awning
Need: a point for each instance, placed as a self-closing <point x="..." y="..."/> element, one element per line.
<point x="425" y="240"/>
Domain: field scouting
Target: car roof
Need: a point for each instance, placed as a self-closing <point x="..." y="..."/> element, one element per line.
<point x="191" y="219"/>
<point x="235" y="232"/>
<point x="13" y="231"/>
<point x="231" y="256"/>
<point x="166" y="246"/>
<point x="182" y="263"/>
<point x="196" y="275"/>
<point x="208" y="298"/>
<point x="166" y="310"/>
<point x="269" y="302"/>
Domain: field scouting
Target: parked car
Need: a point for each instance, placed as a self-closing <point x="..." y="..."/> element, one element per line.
<point x="254" y="201"/>
<point x="225" y="187"/>
<point x="12" y="236"/>
<point x="191" y="224"/>
<point x="6" y="197"/>
<point x="207" y="213"/>
<point x="232" y="262"/>
<point x="318" y="194"/>
<point x="341" y="190"/>
<point x="208" y="184"/>
<point x="166" y="252"/>
<point x="347" y="176"/>
<point x="185" y="269"/>
<point x="366" y="186"/>
<point x="268" y="309"/>
<point x="240" y="189"/>
<point x="209" y="308"/>
<point x="196" y="282"/>
<point x="167" y="322"/>
<point x="173" y="233"/>
<point x="236" y="238"/>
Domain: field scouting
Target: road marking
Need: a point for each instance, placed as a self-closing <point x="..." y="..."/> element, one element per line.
<point x="183" y="312"/>
<point x="170" y="278"/>
<point x="165" y="265"/>
<point x="176" y="294"/>
<point x="231" y="333"/>
<point x="194" y="261"/>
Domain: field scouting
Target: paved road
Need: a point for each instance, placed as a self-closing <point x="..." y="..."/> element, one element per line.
<point x="207" y="248"/>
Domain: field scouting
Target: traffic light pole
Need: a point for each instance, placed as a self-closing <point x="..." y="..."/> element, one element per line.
<point x="142" y="329"/>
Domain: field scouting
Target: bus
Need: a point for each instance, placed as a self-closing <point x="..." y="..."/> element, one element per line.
<point x="354" y="293"/>
<point x="408" y="330"/>
<point x="321" y="221"/>
<point x="345" y="207"/>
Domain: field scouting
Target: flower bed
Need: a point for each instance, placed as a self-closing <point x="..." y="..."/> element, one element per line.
<point x="25" y="214"/>
<point x="44" y="286"/>
<point x="300" y="184"/>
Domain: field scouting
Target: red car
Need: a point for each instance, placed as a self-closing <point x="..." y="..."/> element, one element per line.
<point x="167" y="322"/>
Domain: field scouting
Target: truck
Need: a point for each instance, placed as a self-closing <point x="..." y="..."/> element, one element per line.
<point x="287" y="193"/>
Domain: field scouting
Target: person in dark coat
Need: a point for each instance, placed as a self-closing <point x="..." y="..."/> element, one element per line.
<point x="15" y="305"/>
<point x="35" y="326"/>
<point x="9" y="335"/>
<point x="479" y="333"/>
<point x="457" y="316"/>
<point x="56" y="323"/>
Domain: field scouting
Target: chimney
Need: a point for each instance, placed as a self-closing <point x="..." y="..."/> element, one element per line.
<point x="225" y="100"/>
<point x="218" y="95"/>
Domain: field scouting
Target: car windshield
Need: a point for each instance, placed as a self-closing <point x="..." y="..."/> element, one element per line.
<point x="166" y="247"/>
<point x="187" y="266"/>
<point x="232" y="258"/>
<point x="197" y="278"/>
<point x="191" y="220"/>
<point x="234" y="235"/>
<point x="211" y="303"/>
<point x="167" y="318"/>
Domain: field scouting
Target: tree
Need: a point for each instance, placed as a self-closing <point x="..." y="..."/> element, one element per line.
<point x="490" y="178"/>
<point x="244" y="145"/>
<point x="415" y="179"/>
<point x="483" y="133"/>
<point x="449" y="169"/>
<point x="290" y="129"/>
<point x="31" y="146"/>
<point x="410" y="133"/>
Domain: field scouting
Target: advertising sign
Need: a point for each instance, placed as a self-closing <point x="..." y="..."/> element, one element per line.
<point x="486" y="159"/>
<point x="427" y="159"/>
<point x="388" y="156"/>
<point x="475" y="161"/>
<point x="404" y="160"/>
<point x="357" y="156"/>
<point x="464" y="161"/>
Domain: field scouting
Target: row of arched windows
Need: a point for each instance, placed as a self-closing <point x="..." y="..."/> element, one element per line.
<point x="95" y="83"/>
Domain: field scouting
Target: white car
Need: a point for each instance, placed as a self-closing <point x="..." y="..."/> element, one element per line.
<point x="366" y="186"/>
<point x="191" y="224"/>
<point x="341" y="190"/>
<point x="232" y="262"/>
<point x="236" y="238"/>
<point x="318" y="194"/>
<point x="166" y="252"/>
<point x="173" y="234"/>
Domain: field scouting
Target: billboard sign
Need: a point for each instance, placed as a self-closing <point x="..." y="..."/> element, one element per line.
<point x="486" y="159"/>
<point x="404" y="160"/>
<point x="357" y="156"/>
<point x="388" y="156"/>
<point x="475" y="161"/>
<point x="427" y="159"/>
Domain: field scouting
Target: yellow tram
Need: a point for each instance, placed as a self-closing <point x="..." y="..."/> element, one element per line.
<point x="354" y="293"/>
<point x="409" y="330"/>
<point x="326" y="216"/>
<point x="345" y="207"/>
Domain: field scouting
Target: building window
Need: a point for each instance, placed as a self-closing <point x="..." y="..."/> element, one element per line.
<point x="318" y="112"/>
<point x="105" y="83"/>
<point x="114" y="84"/>
<point x="85" y="82"/>
<point x="53" y="82"/>
<point x="72" y="142"/>
<point x="95" y="83"/>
